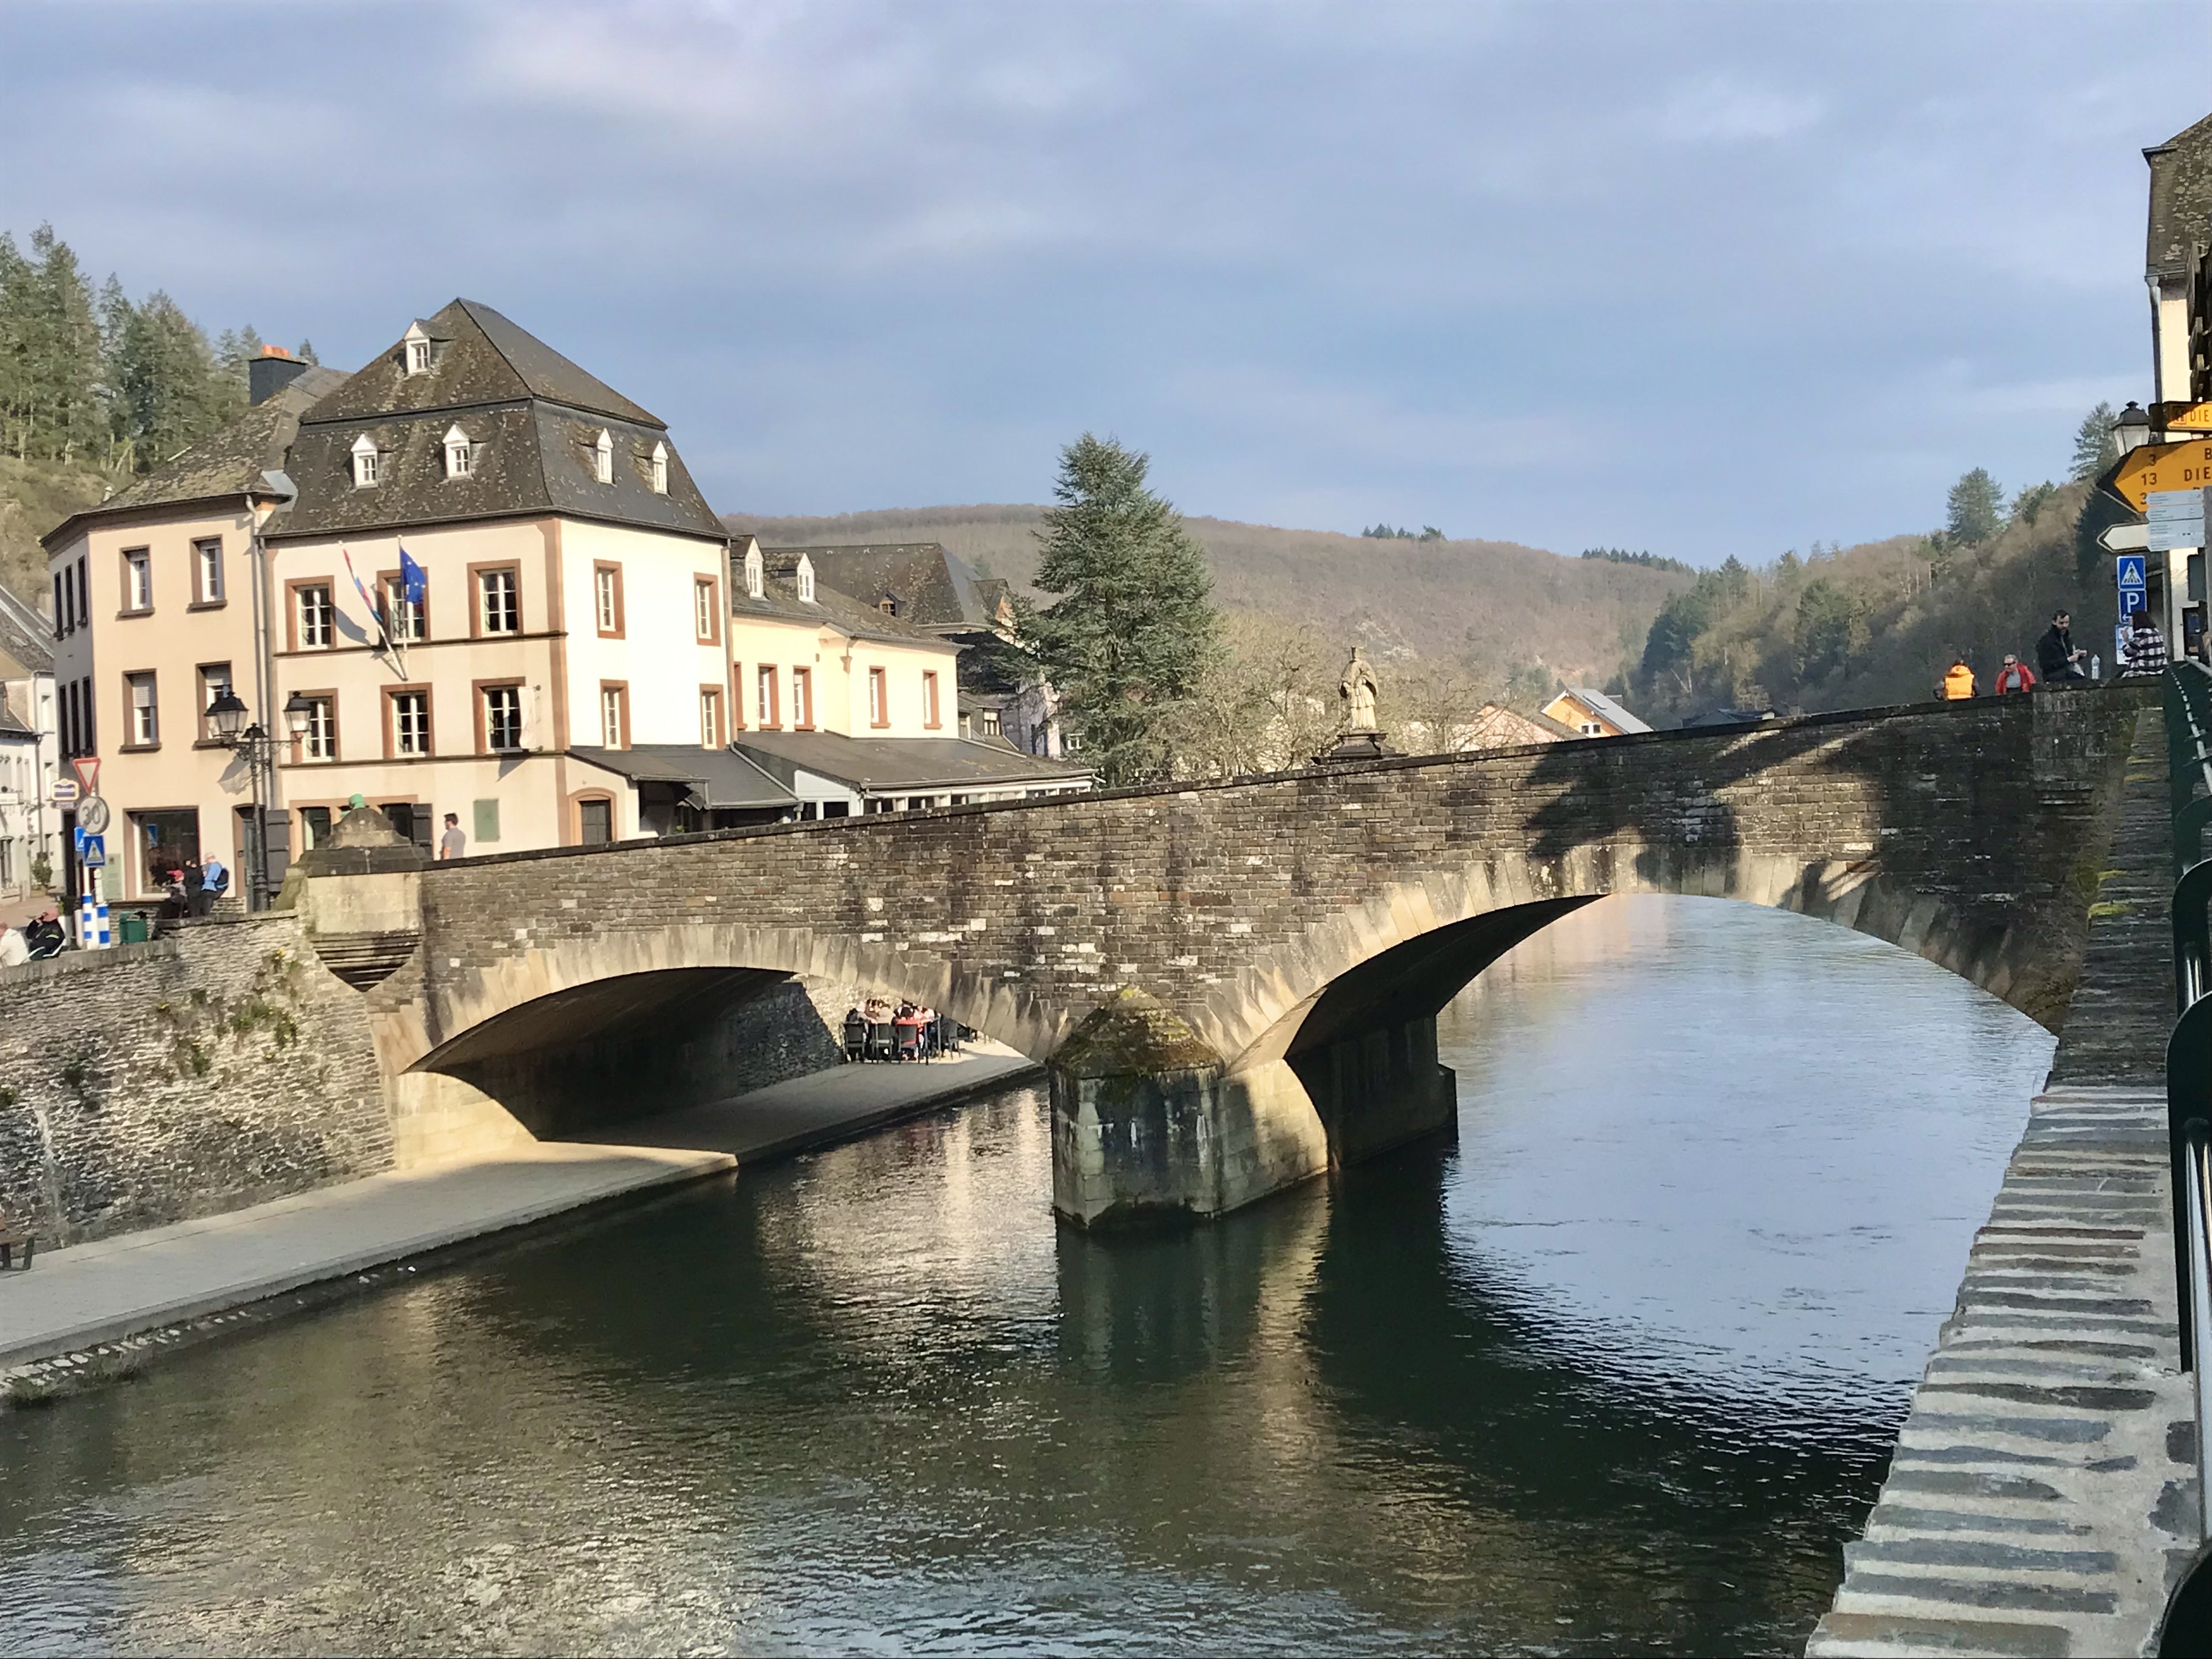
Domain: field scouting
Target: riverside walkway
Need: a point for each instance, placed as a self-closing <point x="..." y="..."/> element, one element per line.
<point x="114" y="1290"/>
<point x="2042" y="1496"/>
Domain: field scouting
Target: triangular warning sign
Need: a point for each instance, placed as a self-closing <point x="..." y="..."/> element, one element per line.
<point x="87" y="768"/>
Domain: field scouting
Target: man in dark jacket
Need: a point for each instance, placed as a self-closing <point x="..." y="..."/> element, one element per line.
<point x="2055" y="657"/>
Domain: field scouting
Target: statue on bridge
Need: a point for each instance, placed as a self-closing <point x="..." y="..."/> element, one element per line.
<point x="1362" y="739"/>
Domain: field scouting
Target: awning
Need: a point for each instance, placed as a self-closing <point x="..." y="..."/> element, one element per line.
<point x="713" y="780"/>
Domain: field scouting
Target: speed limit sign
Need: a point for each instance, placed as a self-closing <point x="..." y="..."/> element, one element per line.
<point x="92" y="815"/>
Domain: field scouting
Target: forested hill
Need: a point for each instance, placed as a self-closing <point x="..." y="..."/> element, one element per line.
<point x="1493" y="607"/>
<point x="95" y="388"/>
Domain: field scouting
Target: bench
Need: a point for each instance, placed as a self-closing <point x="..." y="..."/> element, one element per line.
<point x="8" y="1244"/>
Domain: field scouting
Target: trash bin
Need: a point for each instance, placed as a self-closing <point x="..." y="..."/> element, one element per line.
<point x="134" y="927"/>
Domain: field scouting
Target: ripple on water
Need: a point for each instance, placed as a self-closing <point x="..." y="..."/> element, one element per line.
<point x="1619" y="1370"/>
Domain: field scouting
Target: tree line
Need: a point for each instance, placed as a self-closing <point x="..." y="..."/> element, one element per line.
<point x="95" y="381"/>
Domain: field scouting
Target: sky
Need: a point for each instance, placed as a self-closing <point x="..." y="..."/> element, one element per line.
<point x="1705" y="279"/>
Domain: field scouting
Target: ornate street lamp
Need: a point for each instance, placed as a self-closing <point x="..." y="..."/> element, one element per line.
<point x="234" y="728"/>
<point x="2132" y="430"/>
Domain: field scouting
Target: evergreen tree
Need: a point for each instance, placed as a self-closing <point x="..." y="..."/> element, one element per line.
<point x="1135" y="624"/>
<point x="1977" y="508"/>
<point x="49" y="352"/>
<point x="2096" y="443"/>
<point x="166" y="381"/>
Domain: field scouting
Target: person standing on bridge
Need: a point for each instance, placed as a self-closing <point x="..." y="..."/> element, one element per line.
<point x="1959" y="683"/>
<point x="452" y="844"/>
<point x="2056" y="657"/>
<point x="2015" y="676"/>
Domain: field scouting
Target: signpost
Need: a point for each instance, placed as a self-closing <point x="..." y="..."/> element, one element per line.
<point x="64" y="791"/>
<point x="2174" y="518"/>
<point x="2160" y="467"/>
<point x="2132" y="576"/>
<point x="2181" y="417"/>
<point x="2123" y="538"/>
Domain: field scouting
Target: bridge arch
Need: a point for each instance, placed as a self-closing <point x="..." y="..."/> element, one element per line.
<point x="1407" y="951"/>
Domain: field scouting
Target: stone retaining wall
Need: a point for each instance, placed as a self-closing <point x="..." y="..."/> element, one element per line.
<point x="197" y="1074"/>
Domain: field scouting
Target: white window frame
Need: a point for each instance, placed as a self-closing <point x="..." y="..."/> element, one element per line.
<point x="320" y="741"/>
<point x="756" y="574"/>
<point x="207" y="570"/>
<point x="659" y="463"/>
<point x="879" y="697"/>
<point x="401" y="720"/>
<point x="405" y="620"/>
<point x="606" y="597"/>
<point x="603" y="456"/>
<point x="611" y="716"/>
<point x="366" y="463"/>
<point x="460" y="453"/>
<point x="212" y="685"/>
<point x="710" y="718"/>
<point x="767" y="700"/>
<point x="415" y="351"/>
<point x="138" y="578"/>
<point x="702" y="604"/>
<point x="145" y="712"/>
<point x="495" y="697"/>
<point x="318" y="617"/>
<point x="806" y="579"/>
<point x="802" y="698"/>
<point x="505" y="581"/>
<point x="929" y="708"/>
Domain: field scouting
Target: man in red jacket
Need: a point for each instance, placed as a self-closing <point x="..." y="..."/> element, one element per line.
<point x="2014" y="675"/>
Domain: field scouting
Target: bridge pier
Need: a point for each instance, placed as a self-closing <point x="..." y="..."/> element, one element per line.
<point x="1149" y="1125"/>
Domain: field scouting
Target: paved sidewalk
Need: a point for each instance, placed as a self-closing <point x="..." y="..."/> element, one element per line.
<point x="116" y="1287"/>
<point x="827" y="1107"/>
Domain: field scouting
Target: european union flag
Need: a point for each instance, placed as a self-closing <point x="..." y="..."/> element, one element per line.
<point x="413" y="584"/>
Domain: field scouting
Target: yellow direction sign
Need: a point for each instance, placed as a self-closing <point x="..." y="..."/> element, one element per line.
<point x="2158" y="466"/>
<point x="2182" y="417"/>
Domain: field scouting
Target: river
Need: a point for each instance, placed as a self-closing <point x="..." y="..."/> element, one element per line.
<point x="1617" y="1371"/>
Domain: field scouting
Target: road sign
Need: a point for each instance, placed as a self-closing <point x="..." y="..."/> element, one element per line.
<point x="2174" y="518"/>
<point x="92" y="815"/>
<point x="87" y="768"/>
<point x="64" y="791"/>
<point x="2131" y="600"/>
<point x="2158" y="466"/>
<point x="2123" y="538"/>
<point x="2181" y="417"/>
<point x="2131" y="570"/>
<point x="91" y="851"/>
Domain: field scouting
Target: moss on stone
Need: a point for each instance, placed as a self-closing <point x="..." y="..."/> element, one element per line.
<point x="1132" y="1033"/>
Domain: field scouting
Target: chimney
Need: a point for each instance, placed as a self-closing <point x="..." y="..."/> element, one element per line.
<point x="271" y="373"/>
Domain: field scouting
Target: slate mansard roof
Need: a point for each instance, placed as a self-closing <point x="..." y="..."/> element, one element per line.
<point x="2180" y="199"/>
<point x="934" y="586"/>
<point x="533" y="417"/>
<point x="229" y="462"/>
<point x="830" y="607"/>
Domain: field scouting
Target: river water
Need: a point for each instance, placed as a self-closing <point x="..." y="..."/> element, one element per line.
<point x="1618" y="1370"/>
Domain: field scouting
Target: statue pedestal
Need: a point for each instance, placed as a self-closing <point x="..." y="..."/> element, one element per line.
<point x="1356" y="745"/>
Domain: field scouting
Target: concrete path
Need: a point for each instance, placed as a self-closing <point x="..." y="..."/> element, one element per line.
<point x="827" y="1107"/>
<point x="117" y="1287"/>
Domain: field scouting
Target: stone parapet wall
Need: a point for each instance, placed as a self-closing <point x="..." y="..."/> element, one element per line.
<point x="1966" y="832"/>
<point x="218" y="1067"/>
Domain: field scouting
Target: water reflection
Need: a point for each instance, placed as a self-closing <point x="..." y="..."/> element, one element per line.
<point x="1616" y="1371"/>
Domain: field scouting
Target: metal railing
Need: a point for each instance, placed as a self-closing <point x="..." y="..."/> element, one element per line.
<point x="2189" y="1051"/>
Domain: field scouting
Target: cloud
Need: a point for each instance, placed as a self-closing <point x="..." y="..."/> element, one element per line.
<point x="1718" y="109"/>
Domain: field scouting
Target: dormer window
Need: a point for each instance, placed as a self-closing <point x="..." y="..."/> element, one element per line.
<point x="365" y="460"/>
<point x="414" y="349"/>
<point x="806" y="579"/>
<point x="756" y="582"/>
<point x="603" y="456"/>
<point x="661" y="469"/>
<point x="460" y="453"/>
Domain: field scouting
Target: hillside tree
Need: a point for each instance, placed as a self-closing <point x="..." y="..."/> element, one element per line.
<point x="2096" y="443"/>
<point x="1135" y="624"/>
<point x="1977" y="508"/>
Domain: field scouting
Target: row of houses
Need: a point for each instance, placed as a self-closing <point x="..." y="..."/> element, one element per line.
<point x="473" y="580"/>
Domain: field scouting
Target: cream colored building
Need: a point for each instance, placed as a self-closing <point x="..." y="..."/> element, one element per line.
<point x="1591" y="713"/>
<point x="473" y="580"/>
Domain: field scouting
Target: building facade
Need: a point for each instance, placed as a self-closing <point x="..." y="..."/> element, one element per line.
<point x="30" y="824"/>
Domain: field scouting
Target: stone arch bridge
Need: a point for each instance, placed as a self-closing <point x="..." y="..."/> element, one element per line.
<point x="1236" y="983"/>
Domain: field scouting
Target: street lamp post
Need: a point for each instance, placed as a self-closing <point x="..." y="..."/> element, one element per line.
<point x="234" y="728"/>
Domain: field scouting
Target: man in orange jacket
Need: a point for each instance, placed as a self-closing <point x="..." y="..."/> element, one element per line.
<point x="1958" y="684"/>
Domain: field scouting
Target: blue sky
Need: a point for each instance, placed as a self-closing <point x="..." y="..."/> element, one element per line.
<point x="1706" y="279"/>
